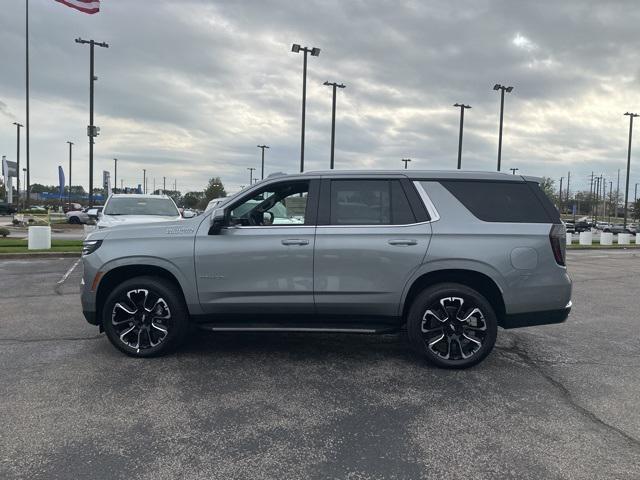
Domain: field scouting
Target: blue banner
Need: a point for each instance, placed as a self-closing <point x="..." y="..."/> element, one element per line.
<point x="61" y="178"/>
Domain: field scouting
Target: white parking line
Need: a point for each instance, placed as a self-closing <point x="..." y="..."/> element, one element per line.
<point x="58" y="286"/>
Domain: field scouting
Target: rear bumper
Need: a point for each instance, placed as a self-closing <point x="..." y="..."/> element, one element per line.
<point x="548" y="317"/>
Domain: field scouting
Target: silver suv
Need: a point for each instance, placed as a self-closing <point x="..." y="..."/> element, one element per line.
<point x="448" y="256"/>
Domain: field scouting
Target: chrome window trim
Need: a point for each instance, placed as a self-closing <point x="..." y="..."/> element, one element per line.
<point x="431" y="208"/>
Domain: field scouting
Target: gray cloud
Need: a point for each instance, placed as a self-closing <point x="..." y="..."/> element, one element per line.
<point x="187" y="89"/>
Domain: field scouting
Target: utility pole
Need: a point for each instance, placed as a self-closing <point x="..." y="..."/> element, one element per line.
<point x="115" y="173"/>
<point x="502" y="89"/>
<point x="591" y="190"/>
<point x="164" y="184"/>
<point x="334" y="85"/>
<point x="154" y="185"/>
<point x="611" y="199"/>
<point x="262" y="170"/>
<point x="70" y="149"/>
<point x="462" y="107"/>
<point x="251" y="169"/>
<point x="92" y="130"/>
<point x="626" y="190"/>
<point x="514" y="170"/>
<point x="406" y="161"/>
<point x="175" y="185"/>
<point x="617" y="194"/>
<point x="295" y="48"/>
<point x="27" y="179"/>
<point x="18" y="127"/>
<point x="560" y="195"/>
<point x="144" y="180"/>
<point x="566" y="194"/>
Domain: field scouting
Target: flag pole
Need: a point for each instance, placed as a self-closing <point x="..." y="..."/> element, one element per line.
<point x="27" y="188"/>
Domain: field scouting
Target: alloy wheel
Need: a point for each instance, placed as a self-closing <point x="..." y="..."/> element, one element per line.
<point x="454" y="328"/>
<point x="141" y="319"/>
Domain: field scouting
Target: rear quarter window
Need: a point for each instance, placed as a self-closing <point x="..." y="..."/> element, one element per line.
<point x="497" y="201"/>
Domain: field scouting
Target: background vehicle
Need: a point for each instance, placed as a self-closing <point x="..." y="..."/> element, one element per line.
<point x="619" y="228"/>
<point x="7" y="209"/>
<point x="356" y="252"/>
<point x="86" y="215"/>
<point x="127" y="209"/>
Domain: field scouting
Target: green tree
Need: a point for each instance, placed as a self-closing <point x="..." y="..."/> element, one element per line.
<point x="192" y="199"/>
<point x="215" y="189"/>
<point x="547" y="186"/>
<point x="636" y="210"/>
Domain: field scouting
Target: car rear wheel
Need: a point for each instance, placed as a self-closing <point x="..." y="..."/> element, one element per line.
<point x="145" y="317"/>
<point x="452" y="325"/>
<point x="74" y="220"/>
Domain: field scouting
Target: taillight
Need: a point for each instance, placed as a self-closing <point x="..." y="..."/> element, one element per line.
<point x="558" y="240"/>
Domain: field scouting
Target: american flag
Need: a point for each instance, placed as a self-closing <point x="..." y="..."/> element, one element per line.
<point x="86" y="6"/>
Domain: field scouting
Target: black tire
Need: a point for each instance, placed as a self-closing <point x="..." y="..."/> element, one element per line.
<point x="161" y="308"/>
<point x="74" y="220"/>
<point x="458" y="347"/>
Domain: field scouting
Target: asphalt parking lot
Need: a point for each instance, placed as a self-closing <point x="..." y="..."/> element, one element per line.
<point x="558" y="401"/>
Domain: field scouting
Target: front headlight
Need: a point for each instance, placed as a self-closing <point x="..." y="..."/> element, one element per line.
<point x="90" y="246"/>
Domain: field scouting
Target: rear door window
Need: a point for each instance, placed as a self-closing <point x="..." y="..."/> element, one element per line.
<point x="499" y="201"/>
<point x="369" y="202"/>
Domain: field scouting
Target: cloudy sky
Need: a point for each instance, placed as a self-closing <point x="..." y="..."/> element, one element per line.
<point x="188" y="88"/>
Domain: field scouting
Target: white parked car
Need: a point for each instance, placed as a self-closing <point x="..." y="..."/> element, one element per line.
<point x="126" y="209"/>
<point x="86" y="215"/>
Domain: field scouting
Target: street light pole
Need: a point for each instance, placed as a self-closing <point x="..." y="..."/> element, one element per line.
<point x="335" y="86"/>
<point x="144" y="180"/>
<point x="626" y="190"/>
<point x="514" y="170"/>
<point x="164" y="184"/>
<point x="502" y="89"/>
<point x="251" y="169"/>
<point x="462" y="109"/>
<point x="115" y="173"/>
<point x="262" y="170"/>
<point x="406" y="161"/>
<point x="295" y="48"/>
<point x="70" y="148"/>
<point x="560" y="195"/>
<point x="18" y="127"/>
<point x="92" y="130"/>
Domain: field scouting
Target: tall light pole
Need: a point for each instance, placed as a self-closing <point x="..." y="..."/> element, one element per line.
<point x="70" y="147"/>
<point x="635" y="196"/>
<point x="560" y="195"/>
<point x="27" y="189"/>
<point x="115" y="173"/>
<point x="295" y="48"/>
<point x="24" y="173"/>
<point x="334" y="86"/>
<point x="626" y="190"/>
<point x="92" y="130"/>
<point x="406" y="162"/>
<point x="251" y="169"/>
<point x="462" y="107"/>
<point x="164" y="184"/>
<point x="144" y="180"/>
<point x="262" y="170"/>
<point x="502" y="89"/>
<point x="514" y="170"/>
<point x="18" y="127"/>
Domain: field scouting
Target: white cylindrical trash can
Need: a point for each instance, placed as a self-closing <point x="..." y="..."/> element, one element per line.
<point x="586" y="238"/>
<point x="569" y="238"/>
<point x="606" y="238"/>
<point x="39" y="238"/>
<point x="624" y="238"/>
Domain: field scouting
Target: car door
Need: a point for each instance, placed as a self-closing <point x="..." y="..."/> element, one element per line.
<point x="261" y="262"/>
<point x="369" y="240"/>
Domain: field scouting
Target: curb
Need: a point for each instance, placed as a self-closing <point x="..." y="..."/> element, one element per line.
<point x="26" y="256"/>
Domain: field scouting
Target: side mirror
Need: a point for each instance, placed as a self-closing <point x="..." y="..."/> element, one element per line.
<point x="217" y="221"/>
<point x="188" y="214"/>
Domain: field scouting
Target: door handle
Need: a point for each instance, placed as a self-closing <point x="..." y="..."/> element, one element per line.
<point x="403" y="242"/>
<point x="295" y="241"/>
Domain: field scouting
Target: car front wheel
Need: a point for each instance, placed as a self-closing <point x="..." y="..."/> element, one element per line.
<point x="145" y="317"/>
<point x="452" y="325"/>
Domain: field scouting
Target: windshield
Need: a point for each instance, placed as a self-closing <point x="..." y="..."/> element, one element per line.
<point x="141" y="206"/>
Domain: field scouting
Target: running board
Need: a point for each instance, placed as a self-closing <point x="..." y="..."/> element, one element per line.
<point x="321" y="328"/>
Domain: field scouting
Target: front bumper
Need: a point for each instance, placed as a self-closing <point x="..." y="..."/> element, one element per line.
<point x="531" y="319"/>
